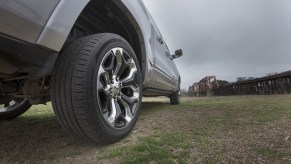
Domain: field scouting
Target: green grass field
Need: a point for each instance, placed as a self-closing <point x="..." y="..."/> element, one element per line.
<point x="240" y="129"/>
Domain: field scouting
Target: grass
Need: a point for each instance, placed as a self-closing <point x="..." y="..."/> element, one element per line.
<point x="160" y="148"/>
<point x="242" y="129"/>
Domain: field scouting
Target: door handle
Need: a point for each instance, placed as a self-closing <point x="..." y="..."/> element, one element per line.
<point x="160" y="40"/>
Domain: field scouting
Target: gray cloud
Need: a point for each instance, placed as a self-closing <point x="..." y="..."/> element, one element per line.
<point x="226" y="38"/>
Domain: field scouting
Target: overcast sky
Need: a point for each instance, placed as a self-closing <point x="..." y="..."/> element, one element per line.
<point x="226" y="38"/>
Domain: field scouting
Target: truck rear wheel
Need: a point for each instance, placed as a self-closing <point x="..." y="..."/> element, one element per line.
<point x="96" y="88"/>
<point x="13" y="109"/>
<point x="175" y="98"/>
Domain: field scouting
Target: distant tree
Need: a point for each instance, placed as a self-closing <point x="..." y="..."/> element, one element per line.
<point x="222" y="82"/>
<point x="250" y="78"/>
<point x="239" y="79"/>
<point x="273" y="73"/>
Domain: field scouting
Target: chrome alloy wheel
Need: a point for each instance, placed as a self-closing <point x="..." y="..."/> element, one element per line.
<point x="117" y="88"/>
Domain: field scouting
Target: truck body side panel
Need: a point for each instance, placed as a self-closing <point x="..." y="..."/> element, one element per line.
<point x="60" y="24"/>
<point x="26" y="19"/>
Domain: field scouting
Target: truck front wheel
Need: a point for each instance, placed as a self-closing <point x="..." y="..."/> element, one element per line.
<point x="96" y="88"/>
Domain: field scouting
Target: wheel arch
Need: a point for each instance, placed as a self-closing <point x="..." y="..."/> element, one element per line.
<point x="90" y="17"/>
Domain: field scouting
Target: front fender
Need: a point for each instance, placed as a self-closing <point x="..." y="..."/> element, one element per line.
<point x="60" y="24"/>
<point x="25" y="19"/>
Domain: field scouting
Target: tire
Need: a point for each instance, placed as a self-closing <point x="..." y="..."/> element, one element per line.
<point x="14" y="109"/>
<point x="175" y="98"/>
<point x="92" y="100"/>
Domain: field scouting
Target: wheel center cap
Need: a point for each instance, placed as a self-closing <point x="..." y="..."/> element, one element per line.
<point x="115" y="89"/>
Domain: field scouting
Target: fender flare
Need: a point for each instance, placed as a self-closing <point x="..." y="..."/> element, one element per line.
<point x="62" y="20"/>
<point x="60" y="24"/>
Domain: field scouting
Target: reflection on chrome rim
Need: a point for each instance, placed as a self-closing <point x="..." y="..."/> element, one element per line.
<point x="117" y="88"/>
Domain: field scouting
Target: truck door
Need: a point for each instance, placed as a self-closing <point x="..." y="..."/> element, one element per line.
<point x="164" y="66"/>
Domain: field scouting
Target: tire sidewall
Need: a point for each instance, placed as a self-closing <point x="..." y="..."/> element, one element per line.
<point x="178" y="94"/>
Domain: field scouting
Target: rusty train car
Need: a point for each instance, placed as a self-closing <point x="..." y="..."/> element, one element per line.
<point x="204" y="87"/>
<point x="272" y="84"/>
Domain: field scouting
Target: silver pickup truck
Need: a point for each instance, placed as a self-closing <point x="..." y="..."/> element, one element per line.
<point x="93" y="59"/>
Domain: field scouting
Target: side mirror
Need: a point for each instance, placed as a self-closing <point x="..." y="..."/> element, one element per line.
<point x="178" y="53"/>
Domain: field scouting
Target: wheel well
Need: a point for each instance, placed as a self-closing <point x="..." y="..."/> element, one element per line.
<point x="103" y="16"/>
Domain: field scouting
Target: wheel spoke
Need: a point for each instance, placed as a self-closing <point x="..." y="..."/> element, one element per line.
<point x="128" y="113"/>
<point x="130" y="82"/>
<point x="115" y="112"/>
<point x="129" y="100"/>
<point x="108" y="63"/>
<point x="121" y="64"/>
<point x="132" y="72"/>
<point x="118" y="57"/>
